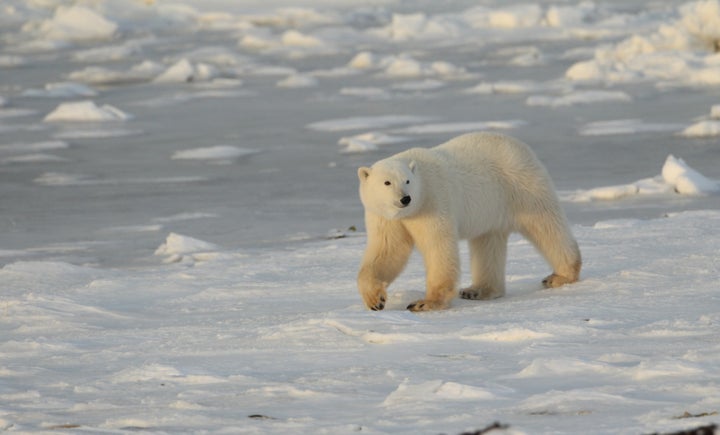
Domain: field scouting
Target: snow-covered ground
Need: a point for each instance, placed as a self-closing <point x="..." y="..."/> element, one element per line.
<point x="177" y="184"/>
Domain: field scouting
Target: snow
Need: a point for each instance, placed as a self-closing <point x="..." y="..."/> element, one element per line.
<point x="77" y="23"/>
<point x="214" y="153"/>
<point x="180" y="228"/>
<point x="703" y="129"/>
<point x="676" y="177"/>
<point x="62" y="90"/>
<point x="366" y="142"/>
<point x="583" y="97"/>
<point x="281" y="335"/>
<point x="86" y="111"/>
<point x="365" y="122"/>
<point x="627" y="126"/>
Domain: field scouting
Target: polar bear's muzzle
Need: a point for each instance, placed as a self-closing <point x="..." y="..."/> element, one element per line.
<point x="405" y="200"/>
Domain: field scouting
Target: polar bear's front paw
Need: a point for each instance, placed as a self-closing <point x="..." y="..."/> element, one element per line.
<point x="376" y="301"/>
<point x="482" y="294"/>
<point x="425" y="305"/>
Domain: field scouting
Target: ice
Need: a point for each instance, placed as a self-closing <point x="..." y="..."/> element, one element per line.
<point x="142" y="72"/>
<point x="180" y="72"/>
<point x="579" y="97"/>
<point x="75" y="23"/>
<point x="32" y="158"/>
<point x="703" y="129"/>
<point x="686" y="180"/>
<point x="214" y="153"/>
<point x="460" y="127"/>
<point x="62" y="90"/>
<point x="365" y="122"/>
<point x="298" y="81"/>
<point x="86" y="111"/>
<point x="626" y="126"/>
<point x="34" y="146"/>
<point x="179" y="248"/>
<point x="682" y="51"/>
<point x="367" y="142"/>
<point x="676" y="177"/>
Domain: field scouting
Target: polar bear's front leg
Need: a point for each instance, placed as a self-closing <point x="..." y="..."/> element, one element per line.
<point x="439" y="248"/>
<point x="388" y="249"/>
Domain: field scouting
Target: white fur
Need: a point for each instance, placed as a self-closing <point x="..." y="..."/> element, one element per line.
<point x="479" y="187"/>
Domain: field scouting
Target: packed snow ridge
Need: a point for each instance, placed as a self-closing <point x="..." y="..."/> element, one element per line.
<point x="676" y="177"/>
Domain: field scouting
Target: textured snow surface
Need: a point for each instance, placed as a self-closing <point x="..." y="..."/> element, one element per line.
<point x="206" y="344"/>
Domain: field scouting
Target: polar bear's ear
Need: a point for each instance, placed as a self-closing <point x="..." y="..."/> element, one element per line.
<point x="412" y="166"/>
<point x="363" y="173"/>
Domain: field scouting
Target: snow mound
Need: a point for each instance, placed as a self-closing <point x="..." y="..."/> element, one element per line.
<point x="86" y="111"/>
<point x="686" y="180"/>
<point x="77" y="23"/>
<point x="298" y="81"/>
<point x="142" y="72"/>
<point x="216" y="153"/>
<point x="179" y="248"/>
<point x="676" y="177"/>
<point x="706" y="128"/>
<point x="431" y="391"/>
<point x="184" y="71"/>
<point x="367" y="142"/>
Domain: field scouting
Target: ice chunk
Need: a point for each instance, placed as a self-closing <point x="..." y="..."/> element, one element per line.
<point x="702" y="129"/>
<point x="178" y="247"/>
<point x="86" y="111"/>
<point x="298" y="81"/>
<point x="77" y="23"/>
<point x="687" y="180"/>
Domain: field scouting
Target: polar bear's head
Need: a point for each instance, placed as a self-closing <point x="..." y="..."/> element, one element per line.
<point x="390" y="188"/>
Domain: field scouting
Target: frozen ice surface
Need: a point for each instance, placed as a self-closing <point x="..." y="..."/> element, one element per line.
<point x="247" y="320"/>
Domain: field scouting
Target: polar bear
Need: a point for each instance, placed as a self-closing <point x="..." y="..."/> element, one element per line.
<point x="479" y="187"/>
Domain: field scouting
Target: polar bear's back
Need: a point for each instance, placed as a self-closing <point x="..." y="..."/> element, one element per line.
<point x="492" y="168"/>
<point x="478" y="150"/>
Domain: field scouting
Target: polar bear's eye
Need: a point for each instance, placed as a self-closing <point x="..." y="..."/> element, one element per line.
<point x="387" y="183"/>
<point x="407" y="181"/>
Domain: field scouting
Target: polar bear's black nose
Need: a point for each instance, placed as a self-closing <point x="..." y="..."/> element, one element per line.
<point x="405" y="200"/>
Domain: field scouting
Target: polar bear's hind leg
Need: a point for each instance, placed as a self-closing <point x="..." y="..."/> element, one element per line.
<point x="488" y="254"/>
